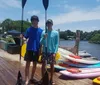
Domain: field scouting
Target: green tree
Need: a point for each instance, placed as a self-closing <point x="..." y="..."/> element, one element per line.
<point x="95" y="38"/>
<point x="9" y="24"/>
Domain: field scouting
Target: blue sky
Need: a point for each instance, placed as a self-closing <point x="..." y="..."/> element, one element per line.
<point x="66" y="14"/>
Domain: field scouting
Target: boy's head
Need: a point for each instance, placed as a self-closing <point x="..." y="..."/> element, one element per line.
<point x="34" y="20"/>
<point x="49" y="23"/>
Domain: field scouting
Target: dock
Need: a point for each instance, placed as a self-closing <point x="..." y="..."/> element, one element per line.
<point x="9" y="67"/>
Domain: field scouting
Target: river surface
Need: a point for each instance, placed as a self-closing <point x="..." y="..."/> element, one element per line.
<point x="93" y="49"/>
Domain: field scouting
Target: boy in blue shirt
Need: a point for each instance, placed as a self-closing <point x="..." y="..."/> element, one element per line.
<point x="33" y="35"/>
<point x="52" y="47"/>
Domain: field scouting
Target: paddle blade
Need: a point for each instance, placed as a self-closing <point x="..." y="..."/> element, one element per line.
<point x="23" y="3"/>
<point x="19" y="79"/>
<point x="46" y="79"/>
<point x="45" y="4"/>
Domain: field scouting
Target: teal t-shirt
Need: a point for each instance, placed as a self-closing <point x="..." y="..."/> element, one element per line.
<point x="52" y="41"/>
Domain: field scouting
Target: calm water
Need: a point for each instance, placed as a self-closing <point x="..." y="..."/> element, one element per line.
<point x="93" y="49"/>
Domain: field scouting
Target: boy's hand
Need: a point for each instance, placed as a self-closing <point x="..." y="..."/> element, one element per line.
<point x="45" y="35"/>
<point x="54" y="55"/>
<point x="21" y="36"/>
<point x="40" y="50"/>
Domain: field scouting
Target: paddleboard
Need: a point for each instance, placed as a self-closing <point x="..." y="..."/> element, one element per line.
<point x="65" y="55"/>
<point x="83" y="65"/>
<point x="96" y="81"/>
<point x="85" y="73"/>
<point x="65" y="51"/>
<point x="57" y="67"/>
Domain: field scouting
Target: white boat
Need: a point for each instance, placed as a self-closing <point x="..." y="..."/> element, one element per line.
<point x="84" y="54"/>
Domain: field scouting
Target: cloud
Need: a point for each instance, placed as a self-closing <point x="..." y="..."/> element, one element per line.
<point x="65" y="1"/>
<point x="98" y="0"/>
<point x="77" y="16"/>
<point x="70" y="8"/>
<point x="61" y="5"/>
<point x="97" y="8"/>
<point x="10" y="3"/>
<point x="34" y="12"/>
<point x="66" y="7"/>
<point x="74" y="16"/>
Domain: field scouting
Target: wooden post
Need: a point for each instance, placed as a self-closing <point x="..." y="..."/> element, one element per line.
<point x="59" y="36"/>
<point x="77" y="41"/>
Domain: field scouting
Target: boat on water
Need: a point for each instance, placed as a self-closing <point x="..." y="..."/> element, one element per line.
<point x="84" y="54"/>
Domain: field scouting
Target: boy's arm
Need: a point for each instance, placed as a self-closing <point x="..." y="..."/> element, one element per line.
<point x="56" y="42"/>
<point x="40" y="50"/>
<point x="41" y="43"/>
<point x="26" y="35"/>
<point x="42" y="38"/>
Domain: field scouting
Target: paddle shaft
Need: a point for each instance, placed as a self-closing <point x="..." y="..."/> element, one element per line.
<point x="23" y="4"/>
<point x="46" y="49"/>
<point x="21" y="31"/>
<point x="21" y="39"/>
<point x="46" y="75"/>
<point x="19" y="77"/>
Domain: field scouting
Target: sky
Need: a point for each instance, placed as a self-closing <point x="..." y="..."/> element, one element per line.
<point x="66" y="14"/>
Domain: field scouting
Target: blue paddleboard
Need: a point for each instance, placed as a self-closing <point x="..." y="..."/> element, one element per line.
<point x="83" y="65"/>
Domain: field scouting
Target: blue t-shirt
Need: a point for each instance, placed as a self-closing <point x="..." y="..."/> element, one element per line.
<point x="33" y="35"/>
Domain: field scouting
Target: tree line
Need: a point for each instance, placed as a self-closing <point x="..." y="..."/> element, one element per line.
<point x="9" y="24"/>
<point x="93" y="36"/>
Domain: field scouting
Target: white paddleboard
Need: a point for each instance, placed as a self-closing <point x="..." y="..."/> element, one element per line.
<point x="85" y="73"/>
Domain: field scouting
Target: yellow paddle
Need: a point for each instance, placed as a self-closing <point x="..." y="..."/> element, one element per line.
<point x="23" y="50"/>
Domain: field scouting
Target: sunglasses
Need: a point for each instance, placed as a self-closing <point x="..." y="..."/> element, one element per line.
<point x="35" y="20"/>
<point x="49" y="23"/>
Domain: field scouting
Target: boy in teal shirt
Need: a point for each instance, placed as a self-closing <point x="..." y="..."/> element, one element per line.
<point x="52" y="47"/>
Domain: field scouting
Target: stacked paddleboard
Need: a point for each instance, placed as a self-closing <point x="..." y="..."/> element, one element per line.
<point x="83" y="73"/>
<point x="84" y="61"/>
<point x="74" y="62"/>
<point x="88" y="68"/>
<point x="80" y="62"/>
<point x="80" y="65"/>
<point x="59" y="68"/>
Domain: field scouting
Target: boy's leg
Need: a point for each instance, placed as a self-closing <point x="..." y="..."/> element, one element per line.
<point x="35" y="60"/>
<point x="27" y="72"/>
<point x="43" y="69"/>
<point x="33" y="69"/>
<point x="52" y="68"/>
<point x="52" y="71"/>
